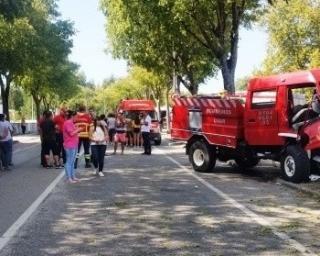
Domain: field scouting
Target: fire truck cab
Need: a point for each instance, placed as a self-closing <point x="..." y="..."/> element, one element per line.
<point x="278" y="119"/>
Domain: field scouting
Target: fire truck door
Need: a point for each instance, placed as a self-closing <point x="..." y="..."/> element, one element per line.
<point x="261" y="119"/>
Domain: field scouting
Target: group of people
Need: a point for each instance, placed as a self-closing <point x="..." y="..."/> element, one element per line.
<point x="64" y="134"/>
<point x="132" y="132"/>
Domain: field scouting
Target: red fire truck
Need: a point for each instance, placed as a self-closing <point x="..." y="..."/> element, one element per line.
<point x="278" y="120"/>
<point x="133" y="107"/>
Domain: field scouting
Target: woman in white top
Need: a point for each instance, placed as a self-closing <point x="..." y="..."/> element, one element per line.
<point x="98" y="137"/>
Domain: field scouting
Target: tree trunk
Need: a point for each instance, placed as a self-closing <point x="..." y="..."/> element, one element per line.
<point x="5" y="90"/>
<point x="228" y="61"/>
<point x="191" y="87"/>
<point x="46" y="103"/>
<point x="168" y="111"/>
<point x="228" y="72"/>
<point x="176" y="83"/>
<point x="37" y="102"/>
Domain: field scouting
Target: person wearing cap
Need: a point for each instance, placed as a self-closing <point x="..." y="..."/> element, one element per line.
<point x="120" y="135"/>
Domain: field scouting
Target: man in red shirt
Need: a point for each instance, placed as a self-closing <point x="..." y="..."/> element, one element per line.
<point x="59" y="121"/>
<point x="83" y="121"/>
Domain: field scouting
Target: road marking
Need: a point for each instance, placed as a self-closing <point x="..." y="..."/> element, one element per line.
<point x="258" y="219"/>
<point x="6" y="237"/>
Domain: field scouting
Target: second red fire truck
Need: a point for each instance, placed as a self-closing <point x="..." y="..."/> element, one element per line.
<point x="279" y="120"/>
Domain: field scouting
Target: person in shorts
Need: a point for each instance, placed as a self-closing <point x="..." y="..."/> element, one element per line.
<point x="136" y="130"/>
<point x="120" y="136"/>
<point x="129" y="132"/>
<point x="48" y="135"/>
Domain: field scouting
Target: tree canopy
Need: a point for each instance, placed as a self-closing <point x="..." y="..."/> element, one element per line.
<point x="139" y="84"/>
<point x="294" y="42"/>
<point x="203" y="34"/>
<point x="34" y="48"/>
<point x="147" y="34"/>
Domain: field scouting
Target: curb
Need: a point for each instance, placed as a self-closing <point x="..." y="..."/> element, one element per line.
<point x="298" y="187"/>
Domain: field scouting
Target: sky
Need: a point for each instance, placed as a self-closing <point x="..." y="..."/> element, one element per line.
<point x="90" y="45"/>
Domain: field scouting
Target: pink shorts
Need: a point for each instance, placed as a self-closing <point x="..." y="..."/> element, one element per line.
<point x="120" y="137"/>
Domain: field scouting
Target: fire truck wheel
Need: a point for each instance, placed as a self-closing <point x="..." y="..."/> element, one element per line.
<point x="201" y="157"/>
<point x="295" y="165"/>
<point x="245" y="164"/>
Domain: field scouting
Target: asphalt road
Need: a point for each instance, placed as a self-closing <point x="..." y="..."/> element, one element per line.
<point x="21" y="186"/>
<point x="156" y="205"/>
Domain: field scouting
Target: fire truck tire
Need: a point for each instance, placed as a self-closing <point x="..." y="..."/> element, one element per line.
<point x="201" y="157"/>
<point x="295" y="164"/>
<point x="245" y="164"/>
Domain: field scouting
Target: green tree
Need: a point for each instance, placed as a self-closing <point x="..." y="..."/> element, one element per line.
<point x="15" y="39"/>
<point x="204" y="34"/>
<point x="34" y="46"/>
<point x="215" y="26"/>
<point x="139" y="84"/>
<point x="155" y="85"/>
<point x="294" y="36"/>
<point x="108" y="81"/>
<point x="16" y="99"/>
<point x="241" y="83"/>
<point x="11" y="9"/>
<point x="147" y="34"/>
<point x="50" y="76"/>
